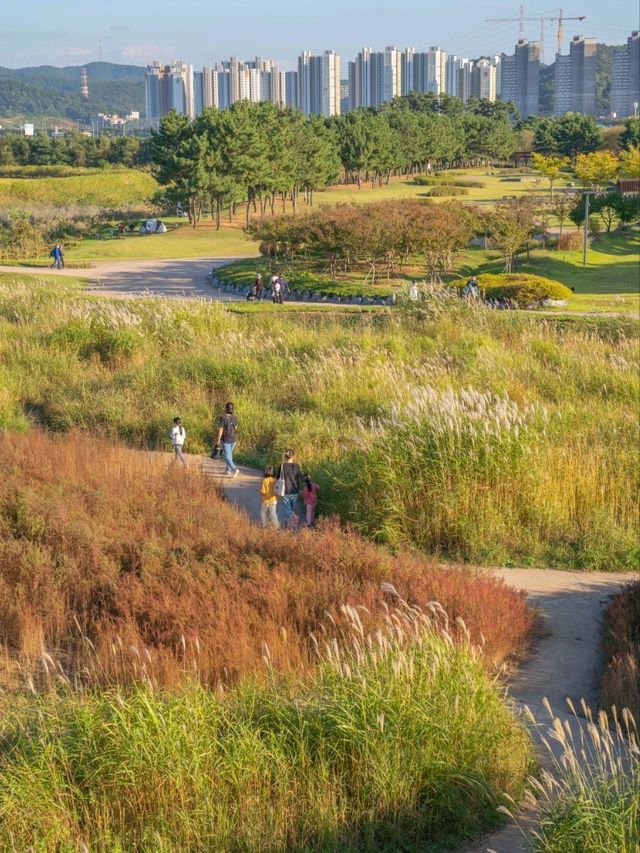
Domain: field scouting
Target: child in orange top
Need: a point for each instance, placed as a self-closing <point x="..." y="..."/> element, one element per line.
<point x="268" y="499"/>
<point x="310" y="500"/>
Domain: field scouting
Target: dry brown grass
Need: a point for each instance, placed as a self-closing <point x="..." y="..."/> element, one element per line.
<point x="621" y="680"/>
<point x="115" y="565"/>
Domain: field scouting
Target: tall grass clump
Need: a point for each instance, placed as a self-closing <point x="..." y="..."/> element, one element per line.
<point x="621" y="679"/>
<point x="590" y="797"/>
<point x="397" y="741"/>
<point x="503" y="437"/>
<point x="118" y="566"/>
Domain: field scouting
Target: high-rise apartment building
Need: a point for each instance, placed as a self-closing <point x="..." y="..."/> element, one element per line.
<point x="169" y="87"/>
<point x="318" y="84"/>
<point x="520" y="77"/>
<point x="575" y="78"/>
<point x="485" y="80"/>
<point x="625" y="80"/>
<point x="291" y="88"/>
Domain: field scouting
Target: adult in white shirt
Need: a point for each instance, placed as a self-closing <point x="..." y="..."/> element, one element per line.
<point x="178" y="435"/>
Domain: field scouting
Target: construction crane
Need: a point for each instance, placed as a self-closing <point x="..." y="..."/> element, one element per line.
<point x="560" y="18"/>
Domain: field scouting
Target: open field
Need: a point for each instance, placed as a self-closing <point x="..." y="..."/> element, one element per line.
<point x="103" y="188"/>
<point x="471" y="433"/>
<point x="106" y="560"/>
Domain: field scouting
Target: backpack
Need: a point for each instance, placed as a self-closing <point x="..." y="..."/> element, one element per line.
<point x="280" y="488"/>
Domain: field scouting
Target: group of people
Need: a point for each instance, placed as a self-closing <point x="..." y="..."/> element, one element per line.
<point x="57" y="253"/>
<point x="278" y="285"/>
<point x="286" y="487"/>
<point x="471" y="290"/>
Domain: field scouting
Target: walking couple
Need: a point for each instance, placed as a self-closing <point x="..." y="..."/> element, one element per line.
<point x="287" y="487"/>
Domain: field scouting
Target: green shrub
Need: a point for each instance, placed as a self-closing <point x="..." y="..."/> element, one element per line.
<point x="448" y="190"/>
<point x="437" y="181"/>
<point x="521" y="289"/>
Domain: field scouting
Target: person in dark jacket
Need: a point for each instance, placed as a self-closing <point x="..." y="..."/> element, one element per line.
<point x="293" y="483"/>
<point x="227" y="437"/>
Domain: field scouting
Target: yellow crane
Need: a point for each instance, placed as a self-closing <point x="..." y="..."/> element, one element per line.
<point x="559" y="18"/>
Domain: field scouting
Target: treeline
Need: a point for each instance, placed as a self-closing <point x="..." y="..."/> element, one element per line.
<point x="572" y="134"/>
<point x="73" y="150"/>
<point x="267" y="158"/>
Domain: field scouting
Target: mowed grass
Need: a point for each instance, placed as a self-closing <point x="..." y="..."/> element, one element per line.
<point x="474" y="434"/>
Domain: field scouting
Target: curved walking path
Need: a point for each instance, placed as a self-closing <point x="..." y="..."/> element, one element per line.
<point x="565" y="661"/>
<point x="177" y="277"/>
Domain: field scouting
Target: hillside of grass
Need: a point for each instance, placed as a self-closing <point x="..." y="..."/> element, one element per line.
<point x="107" y="189"/>
<point x="198" y="681"/>
<point x="470" y="433"/>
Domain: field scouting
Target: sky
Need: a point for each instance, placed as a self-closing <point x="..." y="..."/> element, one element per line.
<point x="73" y="32"/>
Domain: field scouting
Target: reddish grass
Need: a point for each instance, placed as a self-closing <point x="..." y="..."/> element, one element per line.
<point x="621" y="680"/>
<point x="113" y="563"/>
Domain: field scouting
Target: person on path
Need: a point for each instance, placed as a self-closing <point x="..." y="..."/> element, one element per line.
<point x="290" y="472"/>
<point x="268" y="499"/>
<point x="258" y="284"/>
<point x="56" y="254"/>
<point x="276" y="292"/>
<point x="310" y="500"/>
<point x="62" y="255"/>
<point x="285" y="290"/>
<point x="227" y="437"/>
<point x="413" y="291"/>
<point x="472" y="290"/>
<point x="178" y="435"/>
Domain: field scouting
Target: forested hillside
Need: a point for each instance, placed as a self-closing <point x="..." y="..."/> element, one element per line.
<point x="46" y="90"/>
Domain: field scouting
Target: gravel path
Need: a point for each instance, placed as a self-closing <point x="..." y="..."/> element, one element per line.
<point x="178" y="277"/>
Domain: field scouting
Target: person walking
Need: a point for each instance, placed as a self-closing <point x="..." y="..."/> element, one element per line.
<point x="268" y="499"/>
<point x="285" y="290"/>
<point x="62" y="255"/>
<point x="472" y="290"/>
<point x="276" y="293"/>
<point x="227" y="437"/>
<point x="259" y="283"/>
<point x="413" y="291"/>
<point x="56" y="254"/>
<point x="289" y="472"/>
<point x="178" y="436"/>
<point x="310" y="500"/>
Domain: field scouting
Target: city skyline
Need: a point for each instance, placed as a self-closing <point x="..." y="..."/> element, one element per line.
<point x="205" y="30"/>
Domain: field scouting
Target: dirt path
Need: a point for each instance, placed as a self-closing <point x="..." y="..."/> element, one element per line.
<point x="565" y="662"/>
<point x="178" y="277"/>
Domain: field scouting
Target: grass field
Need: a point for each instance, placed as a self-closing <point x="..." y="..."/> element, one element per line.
<point x="471" y="433"/>
<point x="107" y="189"/>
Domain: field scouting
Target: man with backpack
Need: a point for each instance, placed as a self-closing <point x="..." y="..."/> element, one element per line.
<point x="227" y="438"/>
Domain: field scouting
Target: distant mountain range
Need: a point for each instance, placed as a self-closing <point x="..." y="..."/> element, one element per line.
<point x="47" y="90"/>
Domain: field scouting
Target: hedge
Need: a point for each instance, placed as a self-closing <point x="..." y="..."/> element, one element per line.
<point x="448" y="190"/>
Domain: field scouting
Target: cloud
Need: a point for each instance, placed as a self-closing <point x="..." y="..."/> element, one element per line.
<point x="141" y="52"/>
<point x="68" y="52"/>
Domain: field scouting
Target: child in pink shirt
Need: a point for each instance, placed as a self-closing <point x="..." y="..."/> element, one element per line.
<point x="310" y="499"/>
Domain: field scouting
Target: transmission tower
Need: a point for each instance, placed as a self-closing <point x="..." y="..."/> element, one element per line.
<point x="84" y="83"/>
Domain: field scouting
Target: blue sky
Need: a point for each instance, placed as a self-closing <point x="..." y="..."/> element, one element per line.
<point x="35" y="32"/>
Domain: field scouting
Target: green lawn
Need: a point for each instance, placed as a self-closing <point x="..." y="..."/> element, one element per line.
<point x="103" y="188"/>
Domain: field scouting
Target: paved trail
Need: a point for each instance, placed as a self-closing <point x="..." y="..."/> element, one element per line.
<point x="565" y="662"/>
<point x="177" y="277"/>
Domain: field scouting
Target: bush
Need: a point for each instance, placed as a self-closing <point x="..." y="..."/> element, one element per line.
<point x="525" y="291"/>
<point x="621" y="680"/>
<point x="436" y="181"/>
<point x="448" y="190"/>
<point x="570" y="242"/>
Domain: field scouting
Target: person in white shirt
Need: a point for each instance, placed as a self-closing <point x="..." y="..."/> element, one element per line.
<point x="178" y="436"/>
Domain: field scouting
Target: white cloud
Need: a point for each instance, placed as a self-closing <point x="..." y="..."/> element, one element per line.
<point x="145" y="52"/>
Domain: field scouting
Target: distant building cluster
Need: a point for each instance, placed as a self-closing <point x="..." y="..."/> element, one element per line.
<point x="317" y="87"/>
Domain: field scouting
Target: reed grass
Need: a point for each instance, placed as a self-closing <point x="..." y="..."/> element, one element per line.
<point x="397" y="741"/>
<point x="401" y="416"/>
<point x="590" y="796"/>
